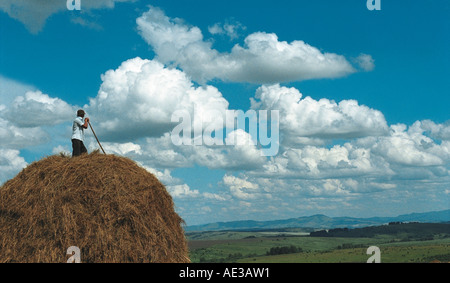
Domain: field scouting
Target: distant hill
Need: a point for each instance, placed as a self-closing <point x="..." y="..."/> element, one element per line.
<point x="320" y="221"/>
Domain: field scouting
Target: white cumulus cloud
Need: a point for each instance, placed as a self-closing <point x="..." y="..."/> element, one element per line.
<point x="14" y="137"/>
<point x="38" y="109"/>
<point x="262" y="59"/>
<point x="365" y="62"/>
<point x="409" y="146"/>
<point x="139" y="98"/>
<point x="240" y="188"/>
<point x="303" y="117"/>
<point x="10" y="163"/>
<point x="231" y="29"/>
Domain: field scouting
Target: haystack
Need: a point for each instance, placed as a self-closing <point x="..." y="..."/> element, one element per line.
<point x="109" y="207"/>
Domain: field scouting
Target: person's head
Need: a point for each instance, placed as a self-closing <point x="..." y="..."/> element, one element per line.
<point x="80" y="113"/>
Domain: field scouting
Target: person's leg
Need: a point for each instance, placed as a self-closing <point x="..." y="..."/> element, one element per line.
<point x="76" y="147"/>
<point x="83" y="148"/>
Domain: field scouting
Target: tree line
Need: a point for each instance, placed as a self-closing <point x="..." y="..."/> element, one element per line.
<point x="412" y="230"/>
<point x="284" y="250"/>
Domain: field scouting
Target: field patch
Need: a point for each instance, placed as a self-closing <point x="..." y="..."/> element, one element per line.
<point x="399" y="244"/>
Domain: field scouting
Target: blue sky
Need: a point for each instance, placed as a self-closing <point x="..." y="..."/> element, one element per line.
<point x="363" y="98"/>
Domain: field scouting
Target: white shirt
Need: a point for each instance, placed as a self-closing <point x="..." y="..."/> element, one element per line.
<point x="77" y="129"/>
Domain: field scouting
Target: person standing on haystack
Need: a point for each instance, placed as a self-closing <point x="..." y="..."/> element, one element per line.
<point x="78" y="133"/>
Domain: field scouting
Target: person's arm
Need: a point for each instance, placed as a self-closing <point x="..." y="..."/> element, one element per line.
<point x="86" y="123"/>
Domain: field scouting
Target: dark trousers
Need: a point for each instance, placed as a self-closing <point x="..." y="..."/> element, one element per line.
<point x="78" y="148"/>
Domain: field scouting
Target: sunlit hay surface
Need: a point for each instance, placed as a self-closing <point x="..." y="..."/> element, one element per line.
<point x="109" y="207"/>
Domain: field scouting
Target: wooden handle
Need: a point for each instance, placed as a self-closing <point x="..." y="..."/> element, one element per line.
<point x="89" y="122"/>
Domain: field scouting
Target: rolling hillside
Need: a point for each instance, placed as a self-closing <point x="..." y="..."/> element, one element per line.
<point x="322" y="222"/>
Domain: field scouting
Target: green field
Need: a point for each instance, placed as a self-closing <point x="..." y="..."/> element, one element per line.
<point x="426" y="252"/>
<point x="253" y="247"/>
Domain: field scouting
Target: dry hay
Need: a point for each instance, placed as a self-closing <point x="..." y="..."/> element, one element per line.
<point x="108" y="206"/>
